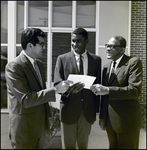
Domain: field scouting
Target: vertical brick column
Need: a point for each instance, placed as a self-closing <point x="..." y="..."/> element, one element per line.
<point x="138" y="45"/>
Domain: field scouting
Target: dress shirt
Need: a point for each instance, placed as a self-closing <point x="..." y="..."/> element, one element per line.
<point x="117" y="62"/>
<point x="85" y="61"/>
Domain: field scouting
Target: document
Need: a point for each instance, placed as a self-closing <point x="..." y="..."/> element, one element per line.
<point x="87" y="80"/>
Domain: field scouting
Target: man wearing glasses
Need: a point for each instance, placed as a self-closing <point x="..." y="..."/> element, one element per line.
<point x="28" y="96"/>
<point x="121" y="85"/>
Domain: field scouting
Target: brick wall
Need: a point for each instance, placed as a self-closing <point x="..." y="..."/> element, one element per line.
<point x="138" y="44"/>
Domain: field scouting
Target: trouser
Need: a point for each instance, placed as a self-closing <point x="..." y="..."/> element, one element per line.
<point x="39" y="144"/>
<point x="122" y="140"/>
<point x="77" y="134"/>
<point x="29" y="140"/>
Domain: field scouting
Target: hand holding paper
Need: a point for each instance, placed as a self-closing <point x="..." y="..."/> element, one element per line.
<point x="99" y="89"/>
<point x="75" y="88"/>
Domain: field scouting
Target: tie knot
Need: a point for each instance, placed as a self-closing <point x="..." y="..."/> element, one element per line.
<point x="35" y="61"/>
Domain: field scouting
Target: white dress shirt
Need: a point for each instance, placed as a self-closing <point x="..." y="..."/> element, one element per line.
<point x="117" y="62"/>
<point x="85" y="61"/>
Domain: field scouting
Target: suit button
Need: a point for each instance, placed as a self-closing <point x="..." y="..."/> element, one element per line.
<point x="82" y="100"/>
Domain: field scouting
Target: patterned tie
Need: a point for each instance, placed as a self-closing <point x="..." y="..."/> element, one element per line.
<point x="81" y="65"/>
<point x="112" y="71"/>
<point x="37" y="71"/>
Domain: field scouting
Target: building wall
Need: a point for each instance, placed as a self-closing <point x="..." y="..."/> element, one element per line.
<point x="138" y="44"/>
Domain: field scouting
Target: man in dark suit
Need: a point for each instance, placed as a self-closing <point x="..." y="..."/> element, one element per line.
<point x="28" y="97"/>
<point x="120" y="112"/>
<point x="78" y="112"/>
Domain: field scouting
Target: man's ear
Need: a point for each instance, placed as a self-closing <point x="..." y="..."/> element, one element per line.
<point x="29" y="45"/>
<point x="123" y="50"/>
<point x="87" y="40"/>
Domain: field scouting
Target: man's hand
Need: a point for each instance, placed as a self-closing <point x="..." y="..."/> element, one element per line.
<point x="75" y="88"/>
<point x="68" y="87"/>
<point x="63" y="86"/>
<point x="99" y="89"/>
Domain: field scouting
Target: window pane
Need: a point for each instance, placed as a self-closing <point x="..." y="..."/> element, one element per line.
<point x="3" y="80"/>
<point x="62" y="13"/>
<point x="102" y="54"/>
<point x="18" y="50"/>
<point x="44" y="57"/>
<point x="62" y="44"/>
<point x="114" y="20"/>
<point x="38" y="13"/>
<point x="4" y="21"/>
<point x="20" y="21"/>
<point x="86" y="11"/>
<point x="91" y="44"/>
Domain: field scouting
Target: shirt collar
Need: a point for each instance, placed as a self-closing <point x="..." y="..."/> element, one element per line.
<point x="84" y="54"/>
<point x="118" y="60"/>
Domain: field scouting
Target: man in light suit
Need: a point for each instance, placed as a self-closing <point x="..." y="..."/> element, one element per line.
<point x="120" y="110"/>
<point x="78" y="112"/>
<point x="28" y="97"/>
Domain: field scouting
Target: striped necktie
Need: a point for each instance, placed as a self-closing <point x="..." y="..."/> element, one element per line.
<point x="37" y="71"/>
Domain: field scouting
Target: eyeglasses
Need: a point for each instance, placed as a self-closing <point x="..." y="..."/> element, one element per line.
<point x="42" y="44"/>
<point x="111" y="46"/>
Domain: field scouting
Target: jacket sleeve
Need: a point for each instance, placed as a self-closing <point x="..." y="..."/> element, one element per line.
<point x="19" y="89"/>
<point x="58" y="73"/>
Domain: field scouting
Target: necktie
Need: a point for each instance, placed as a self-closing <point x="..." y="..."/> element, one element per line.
<point x="112" y="72"/>
<point x="37" y="71"/>
<point x="81" y="65"/>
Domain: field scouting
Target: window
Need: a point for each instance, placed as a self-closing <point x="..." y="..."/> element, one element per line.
<point x="38" y="13"/>
<point x="86" y="13"/>
<point x="20" y="21"/>
<point x="62" y="14"/>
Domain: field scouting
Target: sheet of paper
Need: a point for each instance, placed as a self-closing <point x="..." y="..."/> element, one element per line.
<point x="87" y="80"/>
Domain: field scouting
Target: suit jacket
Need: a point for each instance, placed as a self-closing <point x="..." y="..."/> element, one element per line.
<point x="28" y="100"/>
<point x="122" y="104"/>
<point x="73" y="105"/>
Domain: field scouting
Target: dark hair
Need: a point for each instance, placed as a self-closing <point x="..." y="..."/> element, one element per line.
<point x="29" y="35"/>
<point x="121" y="40"/>
<point x="81" y="31"/>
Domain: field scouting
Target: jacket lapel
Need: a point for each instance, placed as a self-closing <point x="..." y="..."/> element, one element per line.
<point x="108" y="73"/>
<point x="90" y="63"/>
<point x="73" y="62"/>
<point x="119" y="67"/>
<point x="41" y="73"/>
<point x="29" y="65"/>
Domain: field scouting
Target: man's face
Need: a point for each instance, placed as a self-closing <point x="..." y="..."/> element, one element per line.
<point x="38" y="48"/>
<point x="78" y="43"/>
<point x="114" y="51"/>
